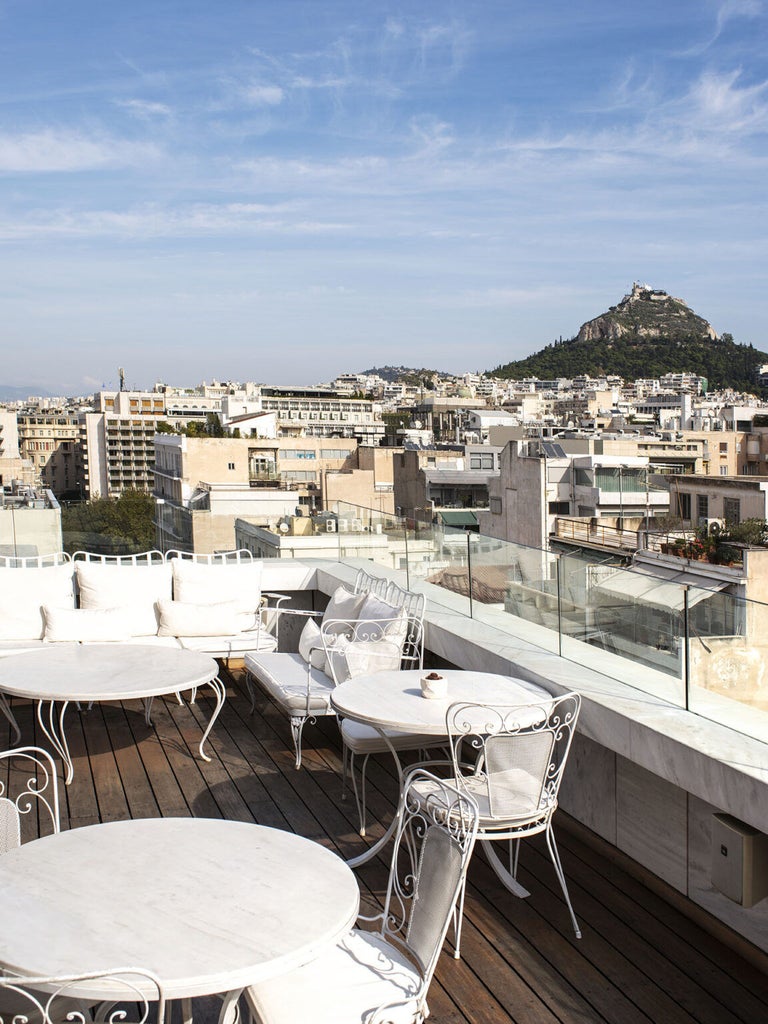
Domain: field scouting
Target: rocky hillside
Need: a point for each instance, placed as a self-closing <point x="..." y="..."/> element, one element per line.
<point x="647" y="313"/>
<point x="647" y="334"/>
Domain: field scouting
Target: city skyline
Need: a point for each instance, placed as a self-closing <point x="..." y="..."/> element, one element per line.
<point x="284" y="191"/>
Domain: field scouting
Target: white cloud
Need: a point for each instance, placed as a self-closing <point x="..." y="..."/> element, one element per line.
<point x="52" y="150"/>
<point x="264" y="95"/>
<point x="717" y="103"/>
<point x="144" y="109"/>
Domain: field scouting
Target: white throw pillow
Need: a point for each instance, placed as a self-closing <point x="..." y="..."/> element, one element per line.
<point x="350" y="658"/>
<point x="391" y="620"/>
<point x="186" y="618"/>
<point x="345" y="606"/>
<point x="311" y="640"/>
<point x="94" y="625"/>
<point x="197" y="583"/>
<point x="135" y="588"/>
<point x="23" y="592"/>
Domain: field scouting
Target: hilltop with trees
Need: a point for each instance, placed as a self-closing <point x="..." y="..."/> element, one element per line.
<point x="648" y="334"/>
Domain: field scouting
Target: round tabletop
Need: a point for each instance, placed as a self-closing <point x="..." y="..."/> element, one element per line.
<point x="393" y="700"/>
<point x="85" y="672"/>
<point x="208" y="905"/>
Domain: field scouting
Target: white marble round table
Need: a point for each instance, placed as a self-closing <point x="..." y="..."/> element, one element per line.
<point x="58" y="675"/>
<point x="393" y="701"/>
<point x="209" y="906"/>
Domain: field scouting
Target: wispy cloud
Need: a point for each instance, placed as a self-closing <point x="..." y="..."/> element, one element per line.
<point x="52" y="149"/>
<point x="145" y="110"/>
<point x="264" y="95"/>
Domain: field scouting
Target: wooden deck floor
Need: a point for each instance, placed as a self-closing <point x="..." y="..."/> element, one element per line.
<point x="640" y="960"/>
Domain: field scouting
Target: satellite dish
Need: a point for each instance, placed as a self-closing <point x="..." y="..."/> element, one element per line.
<point x="284" y="527"/>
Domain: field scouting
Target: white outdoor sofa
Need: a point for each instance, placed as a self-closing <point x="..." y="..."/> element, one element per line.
<point x="215" y="606"/>
<point x="375" y="626"/>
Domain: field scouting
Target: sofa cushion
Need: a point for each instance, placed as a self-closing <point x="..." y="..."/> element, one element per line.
<point x="23" y="592"/>
<point x="135" y="587"/>
<point x="230" y="646"/>
<point x="284" y="676"/>
<point x="198" y="583"/>
<point x="187" y="618"/>
<point x="76" y="625"/>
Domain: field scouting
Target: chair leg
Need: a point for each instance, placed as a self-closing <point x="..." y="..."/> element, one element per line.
<point x="297" y="728"/>
<point x="554" y="854"/>
<point x="359" y="794"/>
<point x="251" y="691"/>
<point x="458" y="919"/>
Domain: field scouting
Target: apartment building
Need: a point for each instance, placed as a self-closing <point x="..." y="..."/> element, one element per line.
<point x="458" y="477"/>
<point x="539" y="482"/>
<point x="12" y="465"/>
<point x="50" y="439"/>
<point x="259" y="478"/>
<point x="318" y="412"/>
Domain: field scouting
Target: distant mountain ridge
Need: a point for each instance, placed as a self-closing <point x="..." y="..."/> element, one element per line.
<point x="647" y="334"/>
<point x="10" y="393"/>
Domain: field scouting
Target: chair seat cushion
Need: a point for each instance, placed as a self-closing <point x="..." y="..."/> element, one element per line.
<point x="284" y="677"/>
<point x="527" y="810"/>
<point x="364" y="739"/>
<point x="227" y="646"/>
<point x="357" y="976"/>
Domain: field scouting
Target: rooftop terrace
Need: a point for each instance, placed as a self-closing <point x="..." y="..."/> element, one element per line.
<point x="640" y="961"/>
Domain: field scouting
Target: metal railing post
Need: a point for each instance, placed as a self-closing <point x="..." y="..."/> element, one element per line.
<point x="559" y="607"/>
<point x="686" y="649"/>
<point x="469" y="573"/>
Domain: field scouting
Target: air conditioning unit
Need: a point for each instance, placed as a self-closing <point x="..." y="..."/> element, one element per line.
<point x="357" y="525"/>
<point x="343" y="526"/>
<point x="719" y="524"/>
<point x="330" y="526"/>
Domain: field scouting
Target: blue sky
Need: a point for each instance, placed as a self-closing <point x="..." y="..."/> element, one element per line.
<point x="281" y="190"/>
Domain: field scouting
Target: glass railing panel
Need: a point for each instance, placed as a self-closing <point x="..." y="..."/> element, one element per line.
<point x="514" y="588"/>
<point x="371" y="535"/>
<point x="628" y="625"/>
<point x="438" y="558"/>
<point x="727" y="658"/>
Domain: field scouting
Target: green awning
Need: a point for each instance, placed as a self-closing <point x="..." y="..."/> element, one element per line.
<point x="459" y="517"/>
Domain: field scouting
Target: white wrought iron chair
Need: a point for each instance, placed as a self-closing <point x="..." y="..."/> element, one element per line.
<point x="361" y="741"/>
<point x="511" y="760"/>
<point x="382" y="976"/>
<point x="123" y="995"/>
<point x="38" y="794"/>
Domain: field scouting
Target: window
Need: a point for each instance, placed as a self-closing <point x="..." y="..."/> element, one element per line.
<point x="684" y="506"/>
<point x="723" y="471"/>
<point x="702" y="506"/>
<point x="559" y="508"/>
<point x="334" y="453"/>
<point x="723" y="447"/>
<point x="732" y="510"/>
<point x="481" y="460"/>
<point x="230" y="465"/>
